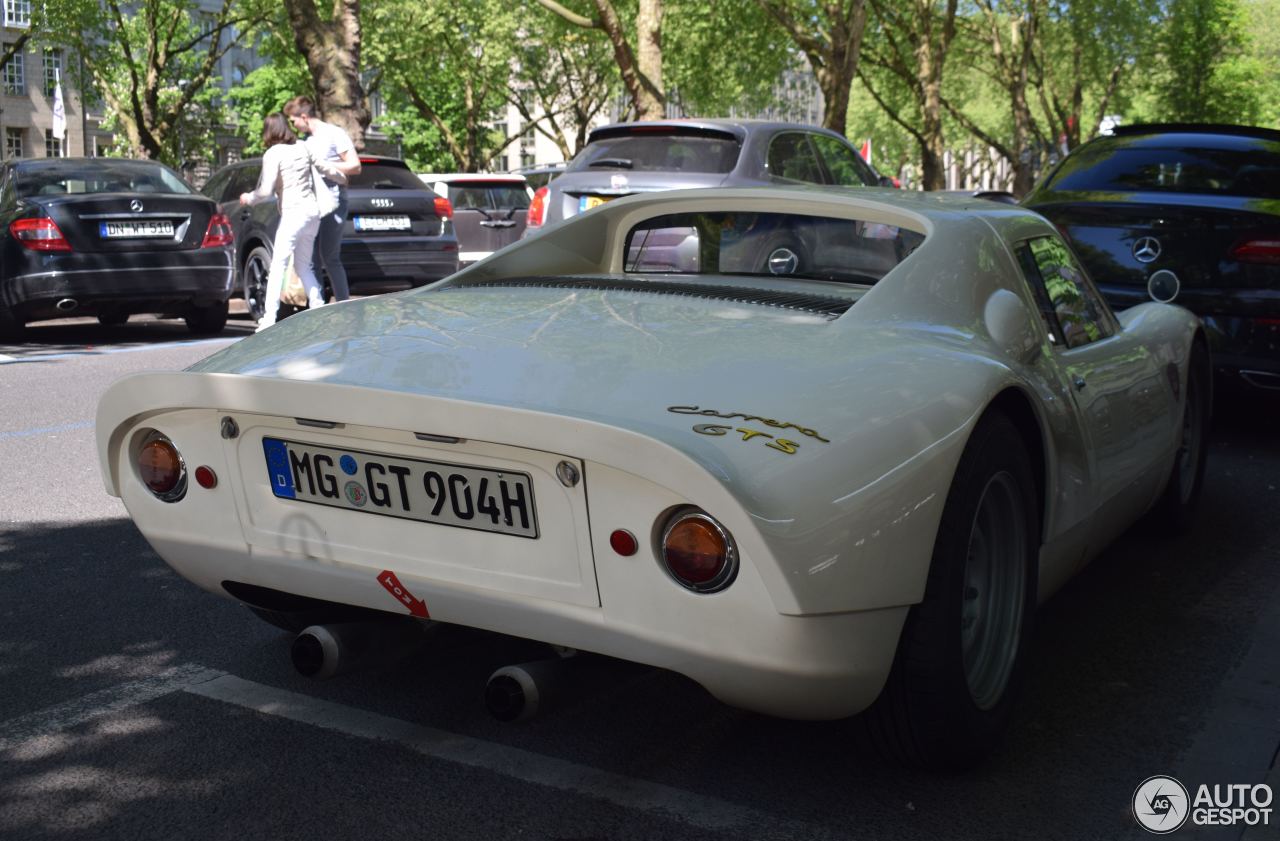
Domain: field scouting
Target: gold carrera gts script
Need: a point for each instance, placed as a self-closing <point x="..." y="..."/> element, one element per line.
<point x="782" y="445"/>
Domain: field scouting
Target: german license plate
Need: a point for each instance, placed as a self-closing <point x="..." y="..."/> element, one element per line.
<point x="381" y="223"/>
<point x="149" y="228"/>
<point x="431" y="491"/>
<point x="588" y="202"/>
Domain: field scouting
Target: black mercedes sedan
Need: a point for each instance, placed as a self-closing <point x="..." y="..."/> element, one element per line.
<point x="1183" y="213"/>
<point x="398" y="233"/>
<point x="109" y="237"/>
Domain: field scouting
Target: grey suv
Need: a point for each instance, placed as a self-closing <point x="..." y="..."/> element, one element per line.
<point x="626" y="158"/>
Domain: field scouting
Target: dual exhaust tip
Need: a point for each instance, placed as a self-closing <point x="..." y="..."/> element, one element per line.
<point x="512" y="693"/>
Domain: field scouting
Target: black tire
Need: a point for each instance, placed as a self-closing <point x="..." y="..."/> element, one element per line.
<point x="207" y="320"/>
<point x="11" y="327"/>
<point x="253" y="280"/>
<point x="781" y="255"/>
<point x="112" y="319"/>
<point x="1175" y="510"/>
<point x="960" y="658"/>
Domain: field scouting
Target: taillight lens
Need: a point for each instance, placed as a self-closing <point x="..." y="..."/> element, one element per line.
<point x="444" y="209"/>
<point x="1258" y="250"/>
<point x="161" y="469"/>
<point x="699" y="553"/>
<point x="42" y="234"/>
<point x="218" y="233"/>
<point x="537" y="208"/>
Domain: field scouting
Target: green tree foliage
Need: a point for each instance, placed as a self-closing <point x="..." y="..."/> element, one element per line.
<point x="1209" y="75"/>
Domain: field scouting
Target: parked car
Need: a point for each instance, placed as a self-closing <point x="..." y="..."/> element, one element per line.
<point x="398" y="233"/>
<point x="815" y="486"/>
<point x="109" y="237"/>
<point x="626" y="158"/>
<point x="1182" y="213"/>
<point x="539" y="175"/>
<point x="488" y="210"/>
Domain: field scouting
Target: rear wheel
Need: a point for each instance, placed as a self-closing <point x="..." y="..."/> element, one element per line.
<point x="205" y="320"/>
<point x="253" y="278"/>
<point x="11" y="327"/>
<point x="950" y="692"/>
<point x="1174" y="511"/>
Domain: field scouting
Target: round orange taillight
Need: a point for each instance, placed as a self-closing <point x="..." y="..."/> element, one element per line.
<point x="161" y="468"/>
<point x="699" y="552"/>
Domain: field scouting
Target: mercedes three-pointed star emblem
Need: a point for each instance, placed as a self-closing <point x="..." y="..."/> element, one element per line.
<point x="1146" y="249"/>
<point x="135" y="206"/>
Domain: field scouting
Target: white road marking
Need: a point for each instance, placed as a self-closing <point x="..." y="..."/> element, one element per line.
<point x="631" y="793"/>
<point x="16" y="731"/>
<point x="628" y="792"/>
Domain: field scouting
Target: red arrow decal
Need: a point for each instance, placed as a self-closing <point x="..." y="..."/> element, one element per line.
<point x="417" y="607"/>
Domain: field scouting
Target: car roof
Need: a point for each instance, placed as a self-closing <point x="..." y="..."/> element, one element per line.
<point x="1196" y="128"/>
<point x="737" y="127"/>
<point x="80" y="163"/>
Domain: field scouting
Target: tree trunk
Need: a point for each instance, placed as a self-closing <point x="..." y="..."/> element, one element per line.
<point x="332" y="51"/>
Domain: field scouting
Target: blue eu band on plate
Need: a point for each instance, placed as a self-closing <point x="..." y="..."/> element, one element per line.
<point x="434" y="492"/>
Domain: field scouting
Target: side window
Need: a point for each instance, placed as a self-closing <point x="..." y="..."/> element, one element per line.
<point x="791" y="156"/>
<point x="1071" y="310"/>
<point x="244" y="180"/>
<point x="844" y="165"/>
<point x="215" y="186"/>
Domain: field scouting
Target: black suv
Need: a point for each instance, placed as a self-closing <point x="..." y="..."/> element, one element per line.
<point x="398" y="234"/>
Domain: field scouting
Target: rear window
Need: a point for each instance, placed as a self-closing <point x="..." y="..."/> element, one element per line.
<point x="385" y="176"/>
<point x="660" y="151"/>
<point x="99" y="177"/>
<point x="495" y="196"/>
<point x="1173" y="169"/>
<point x="768" y="245"/>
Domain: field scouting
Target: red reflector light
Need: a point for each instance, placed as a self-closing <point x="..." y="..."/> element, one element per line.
<point x="218" y="233"/>
<point x="369" y="161"/>
<point x="443" y="208"/>
<point x="1258" y="251"/>
<point x="42" y="234"/>
<point x="537" y="208"/>
<point x="206" y="478"/>
<point x="624" y="543"/>
<point x="161" y="467"/>
<point x="698" y="552"/>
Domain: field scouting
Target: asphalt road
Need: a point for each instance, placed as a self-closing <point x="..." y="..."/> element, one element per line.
<point x="134" y="706"/>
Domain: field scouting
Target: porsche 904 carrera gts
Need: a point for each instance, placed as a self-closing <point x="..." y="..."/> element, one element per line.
<point x="823" y="452"/>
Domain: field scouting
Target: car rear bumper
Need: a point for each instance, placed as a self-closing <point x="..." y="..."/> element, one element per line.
<point x="178" y="282"/>
<point x="391" y="264"/>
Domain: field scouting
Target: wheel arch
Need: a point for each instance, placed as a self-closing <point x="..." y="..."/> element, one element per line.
<point x="1014" y="404"/>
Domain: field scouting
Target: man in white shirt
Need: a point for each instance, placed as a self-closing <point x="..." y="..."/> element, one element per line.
<point x="328" y="142"/>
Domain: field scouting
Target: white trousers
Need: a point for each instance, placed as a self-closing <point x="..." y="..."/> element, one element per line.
<point x="296" y="237"/>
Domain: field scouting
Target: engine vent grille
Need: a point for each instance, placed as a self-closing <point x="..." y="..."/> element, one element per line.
<point x="824" y="305"/>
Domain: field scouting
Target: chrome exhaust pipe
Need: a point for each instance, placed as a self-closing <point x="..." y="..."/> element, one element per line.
<point x="322" y="651"/>
<point x="516" y="693"/>
<point x="67" y="304"/>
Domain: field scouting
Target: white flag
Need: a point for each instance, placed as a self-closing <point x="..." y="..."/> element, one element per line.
<point x="59" y="112"/>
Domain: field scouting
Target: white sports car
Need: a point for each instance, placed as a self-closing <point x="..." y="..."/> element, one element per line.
<point x="821" y="451"/>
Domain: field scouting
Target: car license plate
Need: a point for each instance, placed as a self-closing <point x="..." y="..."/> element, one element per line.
<point x="120" y="230"/>
<point x="381" y="223"/>
<point x="434" y="492"/>
<point x="588" y="202"/>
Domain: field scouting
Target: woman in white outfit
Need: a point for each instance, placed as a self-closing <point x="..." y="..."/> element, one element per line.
<point x="286" y="174"/>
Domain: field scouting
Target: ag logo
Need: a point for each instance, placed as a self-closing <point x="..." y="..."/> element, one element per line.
<point x="1161" y="805"/>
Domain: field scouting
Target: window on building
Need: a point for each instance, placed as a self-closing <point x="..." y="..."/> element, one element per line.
<point x="52" y="145"/>
<point x="13" y="144"/>
<point x="15" y="75"/>
<point x="528" y="152"/>
<point x="17" y="13"/>
<point x="52" y="70"/>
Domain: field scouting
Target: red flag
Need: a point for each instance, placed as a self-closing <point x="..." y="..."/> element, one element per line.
<point x="866" y="150"/>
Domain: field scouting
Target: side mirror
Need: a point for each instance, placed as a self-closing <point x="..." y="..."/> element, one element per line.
<point x="1010" y="325"/>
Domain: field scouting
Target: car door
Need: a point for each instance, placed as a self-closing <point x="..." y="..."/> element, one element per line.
<point x="1113" y="380"/>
